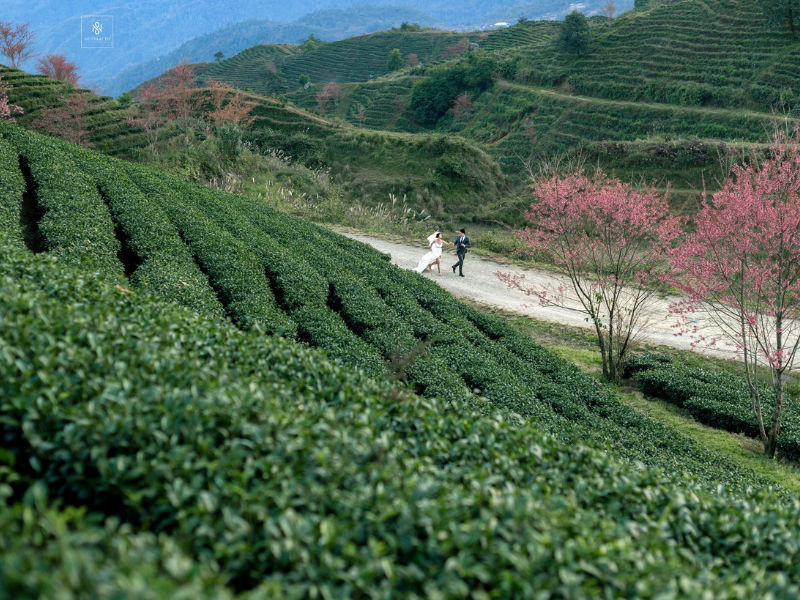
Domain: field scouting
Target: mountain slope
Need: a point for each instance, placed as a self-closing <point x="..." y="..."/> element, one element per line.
<point x="327" y="25"/>
<point x="276" y="469"/>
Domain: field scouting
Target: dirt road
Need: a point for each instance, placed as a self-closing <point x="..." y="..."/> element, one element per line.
<point x="481" y="285"/>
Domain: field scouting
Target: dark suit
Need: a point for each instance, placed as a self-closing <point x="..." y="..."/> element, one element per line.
<point x="461" y="251"/>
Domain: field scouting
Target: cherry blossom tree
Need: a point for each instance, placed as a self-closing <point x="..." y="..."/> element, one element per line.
<point x="608" y="9"/>
<point x="16" y="42"/>
<point x="7" y="110"/>
<point x="332" y="92"/>
<point x="607" y="242"/>
<point x="56" y="66"/>
<point x="463" y="105"/>
<point x="229" y="105"/>
<point x="182" y="95"/>
<point x="153" y="112"/>
<point x="741" y="268"/>
<point x="67" y="120"/>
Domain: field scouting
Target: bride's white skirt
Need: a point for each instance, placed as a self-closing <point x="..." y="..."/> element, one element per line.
<point x="426" y="260"/>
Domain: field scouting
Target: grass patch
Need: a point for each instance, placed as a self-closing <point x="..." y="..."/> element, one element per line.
<point x="745" y="451"/>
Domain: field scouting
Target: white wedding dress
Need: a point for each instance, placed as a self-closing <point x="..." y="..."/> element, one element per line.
<point x="436" y="252"/>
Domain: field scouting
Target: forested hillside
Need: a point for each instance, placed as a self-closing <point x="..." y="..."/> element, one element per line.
<point x="166" y="372"/>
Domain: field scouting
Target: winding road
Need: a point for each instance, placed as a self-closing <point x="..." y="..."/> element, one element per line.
<point x="480" y="284"/>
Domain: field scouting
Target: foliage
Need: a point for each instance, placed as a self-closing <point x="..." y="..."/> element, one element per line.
<point x="288" y="474"/>
<point x="229" y="105"/>
<point x="16" y="42"/>
<point x="575" y="34"/>
<point x="67" y="120"/>
<point x="608" y="243"/>
<point x="608" y="9"/>
<point x="303" y="79"/>
<point x="715" y="398"/>
<point x="182" y="95"/>
<point x="7" y="110"/>
<point x="56" y="66"/>
<point x="783" y="13"/>
<point x="433" y="96"/>
<point x="395" y="61"/>
<point x="330" y="93"/>
<point x="742" y="267"/>
<point x="153" y="113"/>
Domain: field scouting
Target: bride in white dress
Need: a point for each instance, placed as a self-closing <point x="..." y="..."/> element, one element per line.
<point x="435" y="242"/>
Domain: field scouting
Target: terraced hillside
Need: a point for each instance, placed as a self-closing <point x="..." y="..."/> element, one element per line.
<point x="690" y="53"/>
<point x="359" y="58"/>
<point x="147" y="382"/>
<point x="256" y="68"/>
<point x="662" y="94"/>
<point x="105" y="119"/>
<point x="442" y="175"/>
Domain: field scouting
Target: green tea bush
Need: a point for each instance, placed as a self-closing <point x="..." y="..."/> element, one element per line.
<point x="76" y="223"/>
<point x="284" y="474"/>
<point x="716" y="398"/>
<point x="289" y="474"/>
<point x="12" y="186"/>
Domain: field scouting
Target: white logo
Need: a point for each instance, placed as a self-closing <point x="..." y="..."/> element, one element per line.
<point x="97" y="28"/>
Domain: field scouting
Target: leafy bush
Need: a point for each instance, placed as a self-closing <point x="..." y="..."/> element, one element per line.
<point x="575" y="34"/>
<point x="719" y="399"/>
<point x="286" y="474"/>
<point x="433" y="96"/>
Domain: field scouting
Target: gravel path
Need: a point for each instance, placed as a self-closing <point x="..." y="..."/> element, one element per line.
<point x="481" y="285"/>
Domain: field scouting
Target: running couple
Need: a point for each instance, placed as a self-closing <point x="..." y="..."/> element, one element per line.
<point x="434" y="257"/>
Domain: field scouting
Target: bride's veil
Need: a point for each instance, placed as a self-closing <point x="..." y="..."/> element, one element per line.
<point x="432" y="237"/>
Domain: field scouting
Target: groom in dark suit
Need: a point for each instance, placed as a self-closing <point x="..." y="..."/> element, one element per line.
<point x="461" y="244"/>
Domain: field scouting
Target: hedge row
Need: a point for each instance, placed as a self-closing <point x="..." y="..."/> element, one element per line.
<point x="349" y="301"/>
<point x="12" y="186"/>
<point x="76" y="224"/>
<point x="716" y="398"/>
<point x="230" y="265"/>
<point x="157" y="259"/>
<point x="298" y="288"/>
<point x="294" y="477"/>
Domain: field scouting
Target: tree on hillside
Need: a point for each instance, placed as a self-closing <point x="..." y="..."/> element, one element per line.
<point x="16" y="42"/>
<point x="783" y="13"/>
<point x="412" y="60"/>
<point x="7" y="110"/>
<point x="182" y="95"/>
<point x="608" y="242"/>
<point x="575" y="35"/>
<point x="395" y="61"/>
<point x="303" y="79"/>
<point x="57" y="67"/>
<point x="229" y="105"/>
<point x="152" y="115"/>
<point x="332" y="92"/>
<point x="462" y="106"/>
<point x="67" y="120"/>
<point x="460" y="47"/>
<point x="608" y="9"/>
<point x="741" y="268"/>
<point x="218" y="56"/>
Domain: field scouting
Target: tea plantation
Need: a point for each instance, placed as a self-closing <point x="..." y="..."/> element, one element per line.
<point x="203" y="397"/>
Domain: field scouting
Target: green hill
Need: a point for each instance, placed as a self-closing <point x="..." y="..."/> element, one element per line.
<point x="443" y="175"/>
<point x="143" y="393"/>
<point x="668" y="94"/>
<point x="359" y="58"/>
